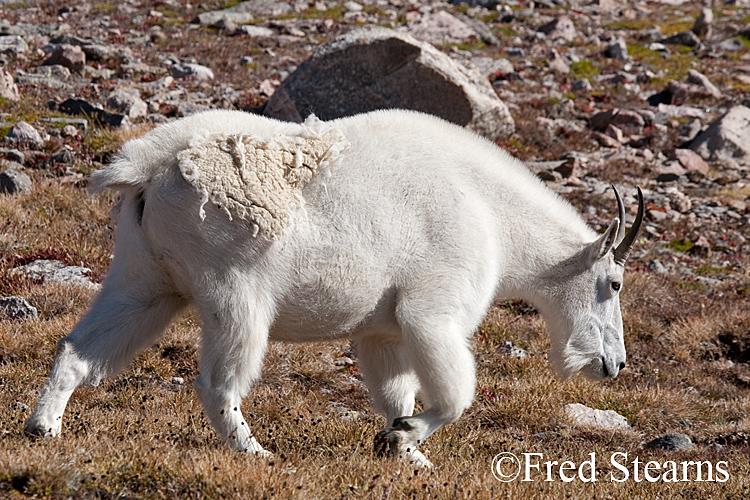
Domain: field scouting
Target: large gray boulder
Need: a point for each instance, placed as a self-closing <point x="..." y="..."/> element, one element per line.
<point x="727" y="138"/>
<point x="377" y="68"/>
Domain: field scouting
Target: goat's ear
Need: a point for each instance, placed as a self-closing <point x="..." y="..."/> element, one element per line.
<point x="601" y="247"/>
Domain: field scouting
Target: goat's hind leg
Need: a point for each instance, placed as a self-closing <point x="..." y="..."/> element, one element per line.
<point x="234" y="341"/>
<point x="112" y="332"/>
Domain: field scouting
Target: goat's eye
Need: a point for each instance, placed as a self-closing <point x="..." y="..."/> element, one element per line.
<point x="616" y="285"/>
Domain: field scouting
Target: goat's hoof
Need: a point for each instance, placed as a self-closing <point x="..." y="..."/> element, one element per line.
<point x="261" y="453"/>
<point x="387" y="442"/>
<point x="37" y="429"/>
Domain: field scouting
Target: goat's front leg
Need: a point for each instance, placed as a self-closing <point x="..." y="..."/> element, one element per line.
<point x="105" y="341"/>
<point x="234" y="341"/>
<point x="438" y="352"/>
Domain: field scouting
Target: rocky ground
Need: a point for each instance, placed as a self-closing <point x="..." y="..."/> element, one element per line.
<point x="648" y="94"/>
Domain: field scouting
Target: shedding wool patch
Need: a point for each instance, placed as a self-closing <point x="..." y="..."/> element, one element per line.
<point x="259" y="180"/>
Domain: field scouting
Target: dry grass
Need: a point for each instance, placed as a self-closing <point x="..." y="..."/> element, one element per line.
<point x="138" y="435"/>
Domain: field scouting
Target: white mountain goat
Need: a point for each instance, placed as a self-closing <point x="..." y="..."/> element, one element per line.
<point x="395" y="229"/>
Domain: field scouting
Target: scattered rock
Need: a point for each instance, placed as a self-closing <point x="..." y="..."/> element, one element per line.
<point x="16" y="307"/>
<point x="23" y="133"/>
<point x="13" y="44"/>
<point x="687" y="38"/>
<point x="702" y="25"/>
<point x="582" y="85"/>
<point x="627" y="120"/>
<point x="254" y="31"/>
<point x="691" y="160"/>
<point x="441" y="28"/>
<point x="68" y="56"/>
<point x="560" y="28"/>
<point x="80" y="107"/>
<point x="510" y="349"/>
<point x="193" y="71"/>
<point x="700" y="80"/>
<point x="72" y="275"/>
<point x="726" y="138"/>
<point x="8" y="87"/>
<point x="375" y="68"/>
<point x="583" y="416"/>
<point x="606" y="140"/>
<point x="12" y="154"/>
<point x="671" y="442"/>
<point x="127" y="102"/>
<point x="39" y="269"/>
<point x="489" y="66"/>
<point x="557" y="63"/>
<point x="618" y="50"/>
<point x="238" y="14"/>
<point x="14" y="181"/>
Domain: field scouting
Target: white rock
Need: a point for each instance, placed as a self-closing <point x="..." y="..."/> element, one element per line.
<point x="583" y="416"/>
<point x="191" y="70"/>
<point x="24" y="133"/>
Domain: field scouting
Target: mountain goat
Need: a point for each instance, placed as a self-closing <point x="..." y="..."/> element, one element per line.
<point x="394" y="229"/>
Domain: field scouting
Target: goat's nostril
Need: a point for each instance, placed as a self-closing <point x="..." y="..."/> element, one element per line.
<point x="622" y="365"/>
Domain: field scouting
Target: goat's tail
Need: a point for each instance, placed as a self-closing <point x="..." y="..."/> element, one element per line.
<point x="120" y="174"/>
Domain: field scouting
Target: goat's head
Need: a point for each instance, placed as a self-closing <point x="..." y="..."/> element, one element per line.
<point x="582" y="307"/>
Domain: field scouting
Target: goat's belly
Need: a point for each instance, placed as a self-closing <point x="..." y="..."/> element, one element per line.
<point x="332" y="314"/>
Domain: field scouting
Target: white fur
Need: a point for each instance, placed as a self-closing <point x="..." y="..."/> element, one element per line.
<point x="402" y="247"/>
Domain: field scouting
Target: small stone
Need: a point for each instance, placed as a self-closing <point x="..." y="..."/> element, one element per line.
<point x="582" y="85"/>
<point x="510" y="349"/>
<point x="72" y="275"/>
<point x="618" y="50"/>
<point x="727" y="138"/>
<point x="39" y="269"/>
<point x="81" y="107"/>
<point x="24" y="133"/>
<point x="14" y="181"/>
<point x="562" y="27"/>
<point x="8" y="87"/>
<point x="15" y="307"/>
<point x="254" y="31"/>
<point x="699" y="79"/>
<point x="671" y="442"/>
<point x="442" y="28"/>
<point x="489" y="66"/>
<point x="227" y="25"/>
<point x="583" y="416"/>
<point x="69" y="131"/>
<point x="615" y="133"/>
<point x="629" y="121"/>
<point x="557" y="63"/>
<point x="178" y="380"/>
<point x="194" y="71"/>
<point x="18" y="406"/>
<point x="606" y="141"/>
<point x="691" y="160"/>
<point x="127" y="102"/>
<point x="13" y="44"/>
<point x="687" y="38"/>
<point x="69" y="56"/>
<point x="702" y="25"/>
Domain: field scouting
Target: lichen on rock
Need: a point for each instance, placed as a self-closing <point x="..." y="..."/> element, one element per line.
<point x="256" y="179"/>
